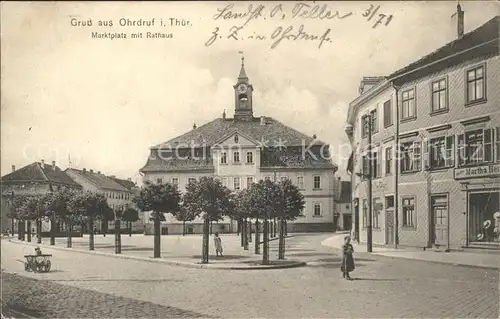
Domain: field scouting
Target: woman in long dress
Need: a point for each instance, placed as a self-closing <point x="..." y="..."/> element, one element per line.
<point x="218" y="244"/>
<point x="347" y="259"/>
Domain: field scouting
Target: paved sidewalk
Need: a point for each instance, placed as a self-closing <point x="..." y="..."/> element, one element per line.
<point x="475" y="259"/>
<point x="184" y="251"/>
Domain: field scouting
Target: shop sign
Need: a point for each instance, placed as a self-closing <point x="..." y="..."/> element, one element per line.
<point x="477" y="171"/>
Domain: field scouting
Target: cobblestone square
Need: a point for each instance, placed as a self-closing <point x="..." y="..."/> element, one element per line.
<point x="83" y="285"/>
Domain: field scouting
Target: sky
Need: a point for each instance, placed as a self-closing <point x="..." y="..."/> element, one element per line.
<point x="101" y="103"/>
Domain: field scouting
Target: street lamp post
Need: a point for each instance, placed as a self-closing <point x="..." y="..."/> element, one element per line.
<point x="368" y="121"/>
<point x="118" y="239"/>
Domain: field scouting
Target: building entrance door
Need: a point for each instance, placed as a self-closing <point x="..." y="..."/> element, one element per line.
<point x="439" y="211"/>
<point x="483" y="223"/>
<point x="347" y="221"/>
<point x="389" y="227"/>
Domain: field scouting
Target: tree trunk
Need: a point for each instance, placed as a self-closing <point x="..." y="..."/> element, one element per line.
<point x="157" y="235"/>
<point x="91" y="233"/>
<point x="265" y="253"/>
<point x="53" y="229"/>
<point x="238" y="228"/>
<point x="249" y="231"/>
<point x="13" y="231"/>
<point x="211" y="226"/>
<point x="242" y="230"/>
<point x="28" y="223"/>
<point x="69" y="229"/>
<point x="206" y="248"/>
<point x="275" y="224"/>
<point x="39" y="231"/>
<point x="104" y="229"/>
<point x="245" y="231"/>
<point x="257" y="237"/>
<point x="129" y="229"/>
<point x="281" y="245"/>
<point x="183" y="228"/>
<point x="23" y="230"/>
<point x="118" y="237"/>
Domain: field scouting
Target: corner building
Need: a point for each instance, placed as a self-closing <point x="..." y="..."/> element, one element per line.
<point x="450" y="143"/>
<point x="242" y="150"/>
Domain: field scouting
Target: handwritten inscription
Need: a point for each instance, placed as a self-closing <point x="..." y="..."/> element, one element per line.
<point x="292" y="33"/>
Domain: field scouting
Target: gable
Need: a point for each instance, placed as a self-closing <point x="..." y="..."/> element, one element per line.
<point x="235" y="140"/>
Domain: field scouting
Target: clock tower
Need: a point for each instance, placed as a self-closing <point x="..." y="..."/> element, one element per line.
<point x="243" y="96"/>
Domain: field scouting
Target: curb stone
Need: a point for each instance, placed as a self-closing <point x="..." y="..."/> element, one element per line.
<point x="293" y="264"/>
<point x="424" y="260"/>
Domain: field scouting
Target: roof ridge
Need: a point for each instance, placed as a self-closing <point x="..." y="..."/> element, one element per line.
<point x="186" y="133"/>
<point x="297" y="131"/>
<point x="41" y="170"/>
<point x="87" y="177"/>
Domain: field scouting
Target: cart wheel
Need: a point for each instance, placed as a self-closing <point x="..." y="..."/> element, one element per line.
<point x="39" y="268"/>
<point x="26" y="267"/>
<point x="47" y="266"/>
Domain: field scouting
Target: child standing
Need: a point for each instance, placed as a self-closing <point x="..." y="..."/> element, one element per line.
<point x="347" y="259"/>
<point x="218" y="244"/>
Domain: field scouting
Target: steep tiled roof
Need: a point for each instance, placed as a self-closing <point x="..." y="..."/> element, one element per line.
<point x="213" y="131"/>
<point x="40" y="172"/>
<point x="268" y="135"/>
<point x="99" y="180"/>
<point x="123" y="182"/>
<point x="485" y="33"/>
<point x="345" y="192"/>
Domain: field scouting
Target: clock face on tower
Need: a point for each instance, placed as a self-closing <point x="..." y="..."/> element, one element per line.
<point x="242" y="88"/>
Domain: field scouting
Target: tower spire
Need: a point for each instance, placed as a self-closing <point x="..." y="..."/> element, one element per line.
<point x="243" y="74"/>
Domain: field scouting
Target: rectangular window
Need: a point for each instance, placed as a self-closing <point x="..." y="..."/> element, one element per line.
<point x="249" y="181"/>
<point x="317" y="209"/>
<point x="442" y="152"/>
<point x="475" y="147"/>
<point x="236" y="181"/>
<point x="365" y="212"/>
<point x="249" y="158"/>
<point x="411" y="157"/>
<point x="236" y="157"/>
<point x="365" y="169"/>
<point x="317" y="182"/>
<point x="375" y="165"/>
<point x="223" y="180"/>
<point x="409" y="212"/>
<point x="389" y="202"/>
<point x="374" y="119"/>
<point x="377" y="207"/>
<point x="408" y="104"/>
<point x="223" y="158"/>
<point x="497" y="139"/>
<point x="388" y="160"/>
<point x="476" y="88"/>
<point x="300" y="182"/>
<point x="159" y="180"/>
<point x="267" y="178"/>
<point x="387" y="113"/>
<point x="439" y="96"/>
<point x="283" y="178"/>
<point x="364" y="131"/>
<point x="175" y="181"/>
<point x="191" y="180"/>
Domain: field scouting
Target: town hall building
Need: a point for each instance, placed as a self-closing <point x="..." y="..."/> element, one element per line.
<point x="242" y="150"/>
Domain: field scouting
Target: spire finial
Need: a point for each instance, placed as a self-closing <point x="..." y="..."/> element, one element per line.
<point x="242" y="58"/>
<point x="243" y="74"/>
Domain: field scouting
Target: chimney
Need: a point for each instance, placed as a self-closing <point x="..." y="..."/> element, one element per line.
<point x="262" y="120"/>
<point x="91" y="171"/>
<point x="84" y="170"/>
<point x="194" y="126"/>
<point x="224" y="115"/>
<point x="42" y="162"/>
<point x="54" y="165"/>
<point x="99" y="172"/>
<point x="112" y="176"/>
<point x="13" y="168"/>
<point x="459" y="16"/>
<point x="314" y="136"/>
<point x="129" y="179"/>
<point x="460" y="21"/>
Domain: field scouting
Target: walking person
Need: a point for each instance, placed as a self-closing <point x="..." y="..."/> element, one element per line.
<point x="218" y="244"/>
<point x="347" y="258"/>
